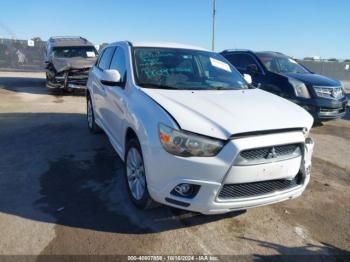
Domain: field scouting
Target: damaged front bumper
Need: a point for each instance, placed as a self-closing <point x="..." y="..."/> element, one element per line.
<point x="225" y="186"/>
<point x="72" y="78"/>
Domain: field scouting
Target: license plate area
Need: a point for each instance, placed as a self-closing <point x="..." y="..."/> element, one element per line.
<point x="286" y="169"/>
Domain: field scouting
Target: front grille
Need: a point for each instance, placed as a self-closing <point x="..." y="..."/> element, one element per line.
<point x="78" y="76"/>
<point x="329" y="92"/>
<point x="79" y="72"/>
<point x="254" y="189"/>
<point x="266" y="154"/>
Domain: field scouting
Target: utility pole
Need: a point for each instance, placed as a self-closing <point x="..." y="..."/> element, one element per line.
<point x="213" y="29"/>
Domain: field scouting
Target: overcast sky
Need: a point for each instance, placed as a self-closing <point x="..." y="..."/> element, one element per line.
<point x="298" y="27"/>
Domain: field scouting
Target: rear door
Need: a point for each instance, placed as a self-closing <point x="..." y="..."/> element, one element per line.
<point x="242" y="62"/>
<point x="234" y="60"/>
<point x="261" y="79"/>
<point x="246" y="62"/>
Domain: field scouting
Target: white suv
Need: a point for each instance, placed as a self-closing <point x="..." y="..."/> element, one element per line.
<point x="193" y="133"/>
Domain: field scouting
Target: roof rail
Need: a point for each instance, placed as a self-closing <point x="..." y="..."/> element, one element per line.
<point x="232" y="50"/>
<point x="54" y="38"/>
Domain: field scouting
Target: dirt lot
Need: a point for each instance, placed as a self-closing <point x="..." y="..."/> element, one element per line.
<point x="62" y="192"/>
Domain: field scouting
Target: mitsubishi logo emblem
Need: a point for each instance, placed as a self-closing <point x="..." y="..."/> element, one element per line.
<point x="272" y="153"/>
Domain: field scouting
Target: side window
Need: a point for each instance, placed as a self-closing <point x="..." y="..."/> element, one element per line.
<point x="105" y="59"/>
<point x="118" y="63"/>
<point x="233" y="59"/>
<point x="246" y="60"/>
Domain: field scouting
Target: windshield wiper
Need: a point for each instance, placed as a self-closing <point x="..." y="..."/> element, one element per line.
<point x="155" y="86"/>
<point x="227" y="88"/>
<point x="221" y="88"/>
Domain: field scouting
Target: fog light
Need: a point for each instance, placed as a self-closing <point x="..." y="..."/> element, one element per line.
<point x="185" y="190"/>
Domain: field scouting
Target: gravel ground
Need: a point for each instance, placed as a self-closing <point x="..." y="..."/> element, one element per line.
<point x="347" y="86"/>
<point x="62" y="192"/>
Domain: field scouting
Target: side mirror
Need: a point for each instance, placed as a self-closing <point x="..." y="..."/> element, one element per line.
<point x="253" y="69"/>
<point x="248" y="78"/>
<point x="110" y="77"/>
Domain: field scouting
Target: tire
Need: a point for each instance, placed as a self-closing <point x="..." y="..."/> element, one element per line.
<point x="135" y="176"/>
<point x="48" y="82"/>
<point x="90" y="116"/>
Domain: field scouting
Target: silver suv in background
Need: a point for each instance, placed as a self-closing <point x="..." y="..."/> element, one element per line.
<point x="68" y="61"/>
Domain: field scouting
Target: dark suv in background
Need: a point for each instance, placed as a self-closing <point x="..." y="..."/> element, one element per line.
<point x="277" y="73"/>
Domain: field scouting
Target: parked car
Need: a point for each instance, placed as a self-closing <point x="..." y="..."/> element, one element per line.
<point x="193" y="133"/>
<point x="68" y="61"/>
<point x="277" y="73"/>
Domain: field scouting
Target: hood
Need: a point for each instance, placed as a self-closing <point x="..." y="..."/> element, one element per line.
<point x="62" y="64"/>
<point x="314" y="79"/>
<point x="222" y="113"/>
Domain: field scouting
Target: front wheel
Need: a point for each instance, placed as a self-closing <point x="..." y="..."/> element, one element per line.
<point x="48" y="79"/>
<point x="136" y="176"/>
<point x="90" y="116"/>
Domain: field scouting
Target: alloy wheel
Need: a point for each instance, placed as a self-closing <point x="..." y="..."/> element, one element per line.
<point x="135" y="173"/>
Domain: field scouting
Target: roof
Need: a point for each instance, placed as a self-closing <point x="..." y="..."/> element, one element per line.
<point x="273" y="53"/>
<point x="270" y="53"/>
<point x="57" y="41"/>
<point x="164" y="45"/>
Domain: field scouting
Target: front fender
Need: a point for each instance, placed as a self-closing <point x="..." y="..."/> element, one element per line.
<point x="144" y="121"/>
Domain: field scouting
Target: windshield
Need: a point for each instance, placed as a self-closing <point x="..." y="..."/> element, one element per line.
<point x="169" y="68"/>
<point x="281" y="64"/>
<point x="74" y="51"/>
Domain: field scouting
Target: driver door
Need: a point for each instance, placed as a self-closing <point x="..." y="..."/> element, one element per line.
<point x="99" y="90"/>
<point x="116" y="98"/>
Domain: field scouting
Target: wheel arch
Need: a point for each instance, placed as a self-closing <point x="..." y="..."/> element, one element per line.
<point x="130" y="134"/>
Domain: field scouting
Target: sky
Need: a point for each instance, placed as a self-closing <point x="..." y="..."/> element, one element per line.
<point x="298" y="28"/>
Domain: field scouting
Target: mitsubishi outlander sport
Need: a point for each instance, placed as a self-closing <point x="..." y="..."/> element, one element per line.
<point x="193" y="133"/>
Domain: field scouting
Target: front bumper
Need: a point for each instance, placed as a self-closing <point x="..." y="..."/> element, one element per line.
<point x="325" y="109"/>
<point x="212" y="173"/>
<point x="74" y="79"/>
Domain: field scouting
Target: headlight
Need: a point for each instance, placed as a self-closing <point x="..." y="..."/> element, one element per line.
<point x="323" y="91"/>
<point x="300" y="88"/>
<point x="186" y="144"/>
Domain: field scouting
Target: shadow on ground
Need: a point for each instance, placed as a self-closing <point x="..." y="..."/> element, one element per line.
<point x="34" y="85"/>
<point x="309" y="252"/>
<point x="54" y="170"/>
